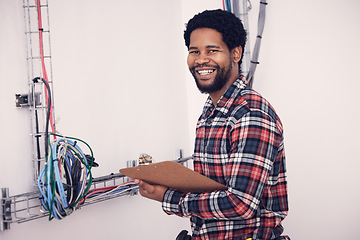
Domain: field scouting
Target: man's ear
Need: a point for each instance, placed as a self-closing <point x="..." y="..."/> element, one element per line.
<point x="236" y="53"/>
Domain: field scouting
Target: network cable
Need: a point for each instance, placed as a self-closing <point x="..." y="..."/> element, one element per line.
<point x="66" y="177"/>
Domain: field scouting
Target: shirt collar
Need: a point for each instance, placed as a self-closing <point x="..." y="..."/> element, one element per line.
<point x="226" y="99"/>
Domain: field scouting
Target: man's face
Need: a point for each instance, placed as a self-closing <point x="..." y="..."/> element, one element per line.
<point x="209" y="60"/>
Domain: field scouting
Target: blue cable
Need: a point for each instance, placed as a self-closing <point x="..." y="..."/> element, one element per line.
<point x="57" y="174"/>
<point x="44" y="199"/>
<point x="50" y="178"/>
<point x="228" y="5"/>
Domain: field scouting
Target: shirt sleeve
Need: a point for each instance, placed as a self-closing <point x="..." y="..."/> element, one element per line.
<point x="255" y="140"/>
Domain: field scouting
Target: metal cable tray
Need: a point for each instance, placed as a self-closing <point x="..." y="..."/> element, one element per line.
<point x="27" y="206"/>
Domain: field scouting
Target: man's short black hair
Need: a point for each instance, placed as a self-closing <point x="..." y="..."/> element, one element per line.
<point x="226" y="23"/>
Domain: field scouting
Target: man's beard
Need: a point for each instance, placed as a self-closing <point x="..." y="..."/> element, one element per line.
<point x="220" y="80"/>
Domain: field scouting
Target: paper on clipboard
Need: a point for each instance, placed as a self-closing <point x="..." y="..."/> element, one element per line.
<point x="173" y="175"/>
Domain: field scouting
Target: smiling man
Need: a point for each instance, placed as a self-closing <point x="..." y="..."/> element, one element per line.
<point x="239" y="142"/>
<point x="211" y="63"/>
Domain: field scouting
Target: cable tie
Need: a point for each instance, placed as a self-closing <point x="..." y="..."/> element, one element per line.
<point x="74" y="143"/>
<point x="41" y="29"/>
<point x="36" y="79"/>
<point x="258" y="36"/>
<point x="254" y="62"/>
<point x="265" y="3"/>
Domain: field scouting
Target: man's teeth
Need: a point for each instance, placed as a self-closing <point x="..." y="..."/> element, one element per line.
<point x="204" y="72"/>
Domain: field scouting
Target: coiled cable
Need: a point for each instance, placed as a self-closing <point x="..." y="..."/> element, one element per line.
<point x="66" y="177"/>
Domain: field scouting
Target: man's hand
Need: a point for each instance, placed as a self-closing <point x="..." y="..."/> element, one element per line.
<point x="155" y="192"/>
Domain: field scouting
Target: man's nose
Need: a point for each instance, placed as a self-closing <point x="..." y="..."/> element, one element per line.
<point x="201" y="59"/>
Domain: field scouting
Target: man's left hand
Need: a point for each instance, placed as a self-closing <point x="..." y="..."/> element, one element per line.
<point x="155" y="192"/>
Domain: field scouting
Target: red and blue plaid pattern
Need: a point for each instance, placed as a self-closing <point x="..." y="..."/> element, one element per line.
<point x="239" y="143"/>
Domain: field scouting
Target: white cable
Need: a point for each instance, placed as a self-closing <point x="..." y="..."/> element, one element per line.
<point x="92" y="199"/>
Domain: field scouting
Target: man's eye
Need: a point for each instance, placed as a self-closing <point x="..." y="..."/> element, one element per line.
<point x="193" y="52"/>
<point x="213" y="50"/>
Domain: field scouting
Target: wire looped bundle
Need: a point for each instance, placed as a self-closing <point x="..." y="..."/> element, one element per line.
<point x="66" y="177"/>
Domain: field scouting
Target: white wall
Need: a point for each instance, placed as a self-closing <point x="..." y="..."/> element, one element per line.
<point x="308" y="71"/>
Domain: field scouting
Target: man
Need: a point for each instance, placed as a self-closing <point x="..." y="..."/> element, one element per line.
<point x="239" y="142"/>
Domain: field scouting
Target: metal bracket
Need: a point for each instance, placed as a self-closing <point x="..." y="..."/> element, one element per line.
<point x="5" y="210"/>
<point x="26" y="100"/>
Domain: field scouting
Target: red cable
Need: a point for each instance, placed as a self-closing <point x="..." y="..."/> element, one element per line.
<point x="101" y="190"/>
<point x="43" y="63"/>
<point x="223" y="2"/>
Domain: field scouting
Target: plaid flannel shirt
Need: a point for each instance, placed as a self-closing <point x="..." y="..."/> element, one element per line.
<point x="239" y="143"/>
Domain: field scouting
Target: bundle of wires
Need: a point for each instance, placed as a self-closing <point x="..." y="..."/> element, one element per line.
<point x="66" y="177"/>
<point x="226" y="5"/>
<point x="98" y="194"/>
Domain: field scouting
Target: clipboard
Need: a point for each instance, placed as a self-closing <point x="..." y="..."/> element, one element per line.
<point x="173" y="175"/>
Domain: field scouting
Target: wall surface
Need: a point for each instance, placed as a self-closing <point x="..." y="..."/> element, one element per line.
<point x="121" y="83"/>
<point x="309" y="71"/>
